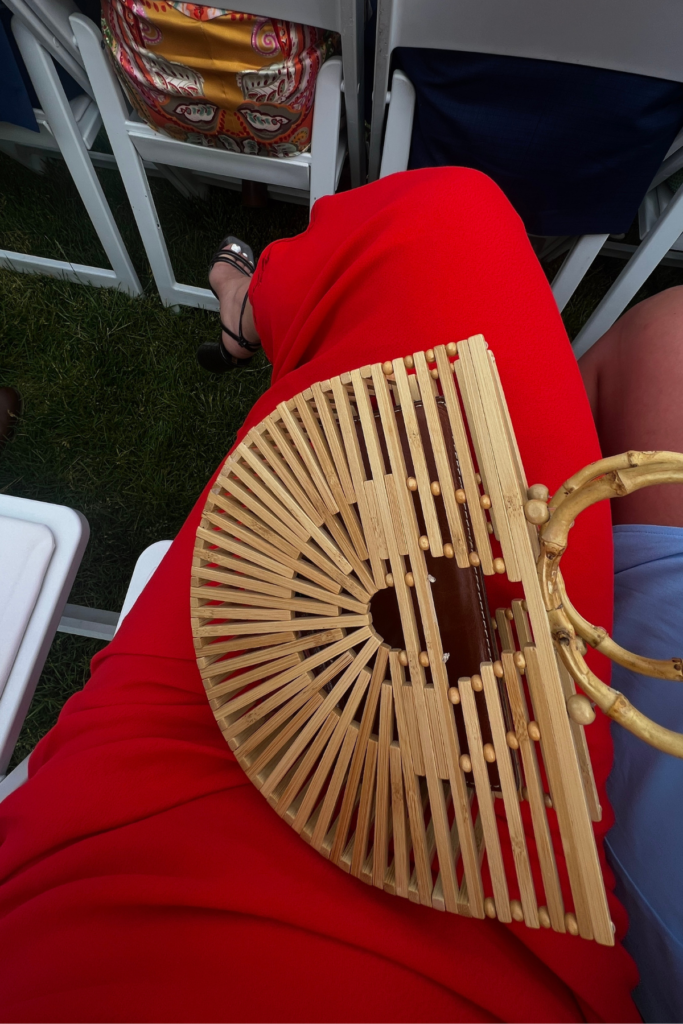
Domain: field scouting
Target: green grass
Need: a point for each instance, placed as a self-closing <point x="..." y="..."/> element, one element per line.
<point x="119" y="421"/>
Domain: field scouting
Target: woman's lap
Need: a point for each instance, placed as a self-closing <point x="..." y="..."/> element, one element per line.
<point x="144" y="876"/>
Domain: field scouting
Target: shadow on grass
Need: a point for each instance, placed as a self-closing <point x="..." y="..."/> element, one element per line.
<point x="118" y="419"/>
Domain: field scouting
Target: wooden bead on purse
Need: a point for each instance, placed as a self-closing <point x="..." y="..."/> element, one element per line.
<point x="349" y="656"/>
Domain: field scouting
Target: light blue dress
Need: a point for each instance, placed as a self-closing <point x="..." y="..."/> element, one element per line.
<point x="645" y="787"/>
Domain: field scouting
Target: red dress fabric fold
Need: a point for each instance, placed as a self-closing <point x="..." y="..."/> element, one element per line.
<point x="142" y="876"/>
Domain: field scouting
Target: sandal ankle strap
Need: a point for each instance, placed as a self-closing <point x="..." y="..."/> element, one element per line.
<point x="250" y="346"/>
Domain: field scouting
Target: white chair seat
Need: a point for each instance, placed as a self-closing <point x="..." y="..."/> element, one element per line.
<point x="25" y="553"/>
<point x="91" y="622"/>
<point x="41" y="585"/>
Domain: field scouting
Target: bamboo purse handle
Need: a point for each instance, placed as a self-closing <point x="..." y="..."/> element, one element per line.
<point x="608" y="478"/>
<point x="349" y="655"/>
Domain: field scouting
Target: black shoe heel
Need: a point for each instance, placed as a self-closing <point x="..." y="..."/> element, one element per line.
<point x="211" y="356"/>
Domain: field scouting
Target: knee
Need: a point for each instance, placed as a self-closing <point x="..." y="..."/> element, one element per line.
<point x="656" y="322"/>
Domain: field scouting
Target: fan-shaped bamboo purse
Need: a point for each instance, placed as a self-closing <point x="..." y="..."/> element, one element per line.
<point x="347" y="650"/>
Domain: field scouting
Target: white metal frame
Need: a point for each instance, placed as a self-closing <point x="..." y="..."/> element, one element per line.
<point x="313" y="174"/>
<point x="91" y="622"/>
<point x="68" y="129"/>
<point x="637" y="36"/>
<point x="70" y="531"/>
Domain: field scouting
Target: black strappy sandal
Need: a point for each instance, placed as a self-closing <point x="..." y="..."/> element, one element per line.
<point x="212" y="355"/>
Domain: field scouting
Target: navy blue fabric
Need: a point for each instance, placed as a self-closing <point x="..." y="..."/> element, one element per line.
<point x="16" y="103"/>
<point x="17" y="95"/>
<point x="573" y="148"/>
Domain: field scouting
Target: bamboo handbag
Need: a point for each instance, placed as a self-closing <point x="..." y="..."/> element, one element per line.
<point x="348" y="653"/>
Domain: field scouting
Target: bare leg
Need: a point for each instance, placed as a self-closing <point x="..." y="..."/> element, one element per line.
<point x="634" y="380"/>
<point x="230" y="286"/>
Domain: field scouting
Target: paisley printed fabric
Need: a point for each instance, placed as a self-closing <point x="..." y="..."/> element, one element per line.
<point x="216" y="77"/>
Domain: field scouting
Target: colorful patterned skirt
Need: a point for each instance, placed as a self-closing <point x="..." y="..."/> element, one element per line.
<point x="217" y="77"/>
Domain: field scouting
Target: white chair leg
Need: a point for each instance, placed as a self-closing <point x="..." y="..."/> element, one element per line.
<point x="352" y="60"/>
<point x="648" y="213"/>
<point x="672" y="163"/>
<point x="14" y="780"/>
<point x="578" y="260"/>
<point x="645" y="259"/>
<point x="65" y="130"/>
<point x="380" y="87"/>
<point x="396" y="151"/>
<point x="114" y="114"/>
<point x="326" y="125"/>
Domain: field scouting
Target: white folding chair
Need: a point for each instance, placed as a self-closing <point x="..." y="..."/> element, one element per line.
<point x="52" y="615"/>
<point x="68" y="128"/>
<point x="312" y="174"/>
<point x="637" y="36"/>
<point x="30" y="619"/>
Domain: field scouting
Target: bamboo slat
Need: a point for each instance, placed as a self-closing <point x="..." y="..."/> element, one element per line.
<point x="303" y="446"/>
<point x="412" y="732"/>
<point x="291" y="706"/>
<point x="553" y="762"/>
<point x="365" y="809"/>
<point x="366" y="725"/>
<point x="336" y="444"/>
<point x="257" y="764"/>
<point x="506" y="637"/>
<point x="274" y="432"/>
<point x="569" y="689"/>
<point x="423" y="874"/>
<point x="337" y="692"/>
<point x="479" y="418"/>
<point x="443" y="468"/>
<point x="255" y="516"/>
<point x="522" y="625"/>
<point x="534" y="788"/>
<point x="262" y="441"/>
<point x="418" y="458"/>
<point x="327" y="760"/>
<point x="581" y="748"/>
<point x="395" y="513"/>
<point x="462" y="448"/>
<point x="382" y="798"/>
<point x="303" y="682"/>
<point x="356" y="469"/>
<point x="280" y="680"/>
<point x="401" y="863"/>
<point x="485" y="800"/>
<point x="273" y="489"/>
<point x="320" y="446"/>
<point x="333" y="790"/>
<point x="510" y="797"/>
<point x="208" y="650"/>
<point x="233" y="596"/>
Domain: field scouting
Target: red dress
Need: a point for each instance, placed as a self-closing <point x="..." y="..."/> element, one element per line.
<point x="143" y="877"/>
